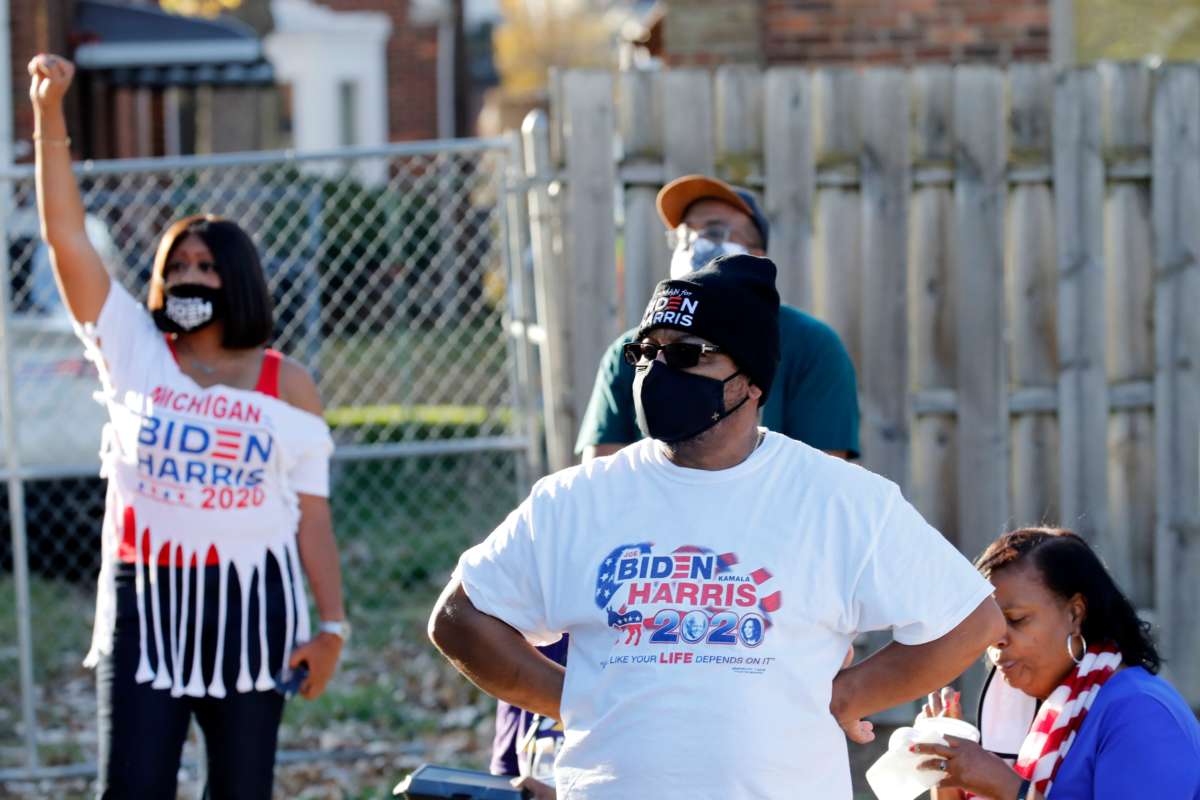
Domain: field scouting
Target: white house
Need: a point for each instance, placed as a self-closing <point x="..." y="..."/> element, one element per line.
<point x="335" y="67"/>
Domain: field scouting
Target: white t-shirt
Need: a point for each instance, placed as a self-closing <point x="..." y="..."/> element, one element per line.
<point x="201" y="469"/>
<point x="710" y="610"/>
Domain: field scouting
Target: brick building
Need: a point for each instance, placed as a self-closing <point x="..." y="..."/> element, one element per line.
<point x="903" y="32"/>
<point x="35" y="26"/>
<point x="906" y="31"/>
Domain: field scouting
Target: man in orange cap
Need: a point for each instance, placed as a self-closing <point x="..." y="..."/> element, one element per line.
<point x="816" y="396"/>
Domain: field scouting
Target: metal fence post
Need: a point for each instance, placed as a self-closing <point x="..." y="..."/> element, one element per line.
<point x="314" y="203"/>
<point x="524" y="331"/>
<point x="549" y="279"/>
<point x="16" y="491"/>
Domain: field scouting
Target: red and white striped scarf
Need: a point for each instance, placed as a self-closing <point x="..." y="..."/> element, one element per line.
<point x="1060" y="716"/>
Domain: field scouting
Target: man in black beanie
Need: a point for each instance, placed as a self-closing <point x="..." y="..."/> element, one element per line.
<point x="721" y="322"/>
<point x="711" y="578"/>
<point x="815" y="400"/>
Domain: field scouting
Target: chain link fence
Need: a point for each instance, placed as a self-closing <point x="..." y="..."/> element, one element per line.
<point x="391" y="271"/>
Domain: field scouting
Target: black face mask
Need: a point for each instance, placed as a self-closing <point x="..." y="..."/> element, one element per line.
<point x="188" y="307"/>
<point x="673" y="405"/>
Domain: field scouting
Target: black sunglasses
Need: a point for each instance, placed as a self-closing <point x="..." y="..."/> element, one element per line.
<point x="678" y="355"/>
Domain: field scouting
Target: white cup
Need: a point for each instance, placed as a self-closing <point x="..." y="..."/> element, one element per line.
<point x="895" y="775"/>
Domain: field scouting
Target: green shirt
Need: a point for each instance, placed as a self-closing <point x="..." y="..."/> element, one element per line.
<point x="814" y="397"/>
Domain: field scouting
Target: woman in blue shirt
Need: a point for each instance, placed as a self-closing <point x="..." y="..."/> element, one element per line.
<point x="1077" y="661"/>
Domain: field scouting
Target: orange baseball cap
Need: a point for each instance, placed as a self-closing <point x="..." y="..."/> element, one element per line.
<point x="676" y="197"/>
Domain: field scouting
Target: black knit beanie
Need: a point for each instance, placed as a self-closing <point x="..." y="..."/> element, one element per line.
<point x="731" y="302"/>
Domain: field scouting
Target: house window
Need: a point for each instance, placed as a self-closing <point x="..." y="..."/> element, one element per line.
<point x="348" y="113"/>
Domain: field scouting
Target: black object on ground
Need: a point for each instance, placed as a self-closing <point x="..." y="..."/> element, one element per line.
<point x="431" y="782"/>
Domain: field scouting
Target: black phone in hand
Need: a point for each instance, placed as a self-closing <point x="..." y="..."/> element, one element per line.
<point x="288" y="681"/>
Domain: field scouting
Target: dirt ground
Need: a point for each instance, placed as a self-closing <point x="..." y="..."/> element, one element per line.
<point x="378" y="721"/>
<point x="371" y="770"/>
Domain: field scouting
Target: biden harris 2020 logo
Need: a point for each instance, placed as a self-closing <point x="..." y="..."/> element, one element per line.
<point x="690" y="597"/>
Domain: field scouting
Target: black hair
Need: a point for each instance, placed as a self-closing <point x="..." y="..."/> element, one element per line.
<point x="249" y="317"/>
<point x="1069" y="566"/>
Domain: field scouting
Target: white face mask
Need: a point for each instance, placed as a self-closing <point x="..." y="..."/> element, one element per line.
<point x="702" y="251"/>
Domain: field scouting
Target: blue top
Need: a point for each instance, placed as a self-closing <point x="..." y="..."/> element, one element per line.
<point x="1139" y="739"/>
<point x="814" y="398"/>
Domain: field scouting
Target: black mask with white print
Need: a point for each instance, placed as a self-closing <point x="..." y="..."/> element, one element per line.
<point x="673" y="405"/>
<point x="188" y="307"/>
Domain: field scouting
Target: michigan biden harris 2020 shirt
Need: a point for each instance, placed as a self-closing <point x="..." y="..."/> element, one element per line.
<point x="710" y="610"/>
<point x="196" y="475"/>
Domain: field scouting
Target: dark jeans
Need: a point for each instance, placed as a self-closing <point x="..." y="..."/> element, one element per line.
<point x="142" y="730"/>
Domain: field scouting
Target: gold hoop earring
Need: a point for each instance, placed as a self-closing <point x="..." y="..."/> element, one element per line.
<point x="1071" y="650"/>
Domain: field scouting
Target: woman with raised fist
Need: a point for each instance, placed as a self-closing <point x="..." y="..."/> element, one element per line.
<point x="217" y="460"/>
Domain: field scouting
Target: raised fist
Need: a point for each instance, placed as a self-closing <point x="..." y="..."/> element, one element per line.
<point x="50" y="77"/>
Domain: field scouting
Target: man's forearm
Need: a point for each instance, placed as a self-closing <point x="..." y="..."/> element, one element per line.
<point x="494" y="656"/>
<point x="899" y="673"/>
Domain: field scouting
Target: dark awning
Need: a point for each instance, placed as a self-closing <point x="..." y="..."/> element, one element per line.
<point x="138" y="44"/>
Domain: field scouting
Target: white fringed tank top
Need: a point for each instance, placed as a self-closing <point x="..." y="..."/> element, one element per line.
<point x="212" y="474"/>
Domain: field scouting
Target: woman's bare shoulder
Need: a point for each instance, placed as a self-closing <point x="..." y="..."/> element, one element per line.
<point x="297" y="387"/>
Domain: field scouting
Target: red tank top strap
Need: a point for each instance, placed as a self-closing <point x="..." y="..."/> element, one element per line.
<point x="171" y="346"/>
<point x="268" y="377"/>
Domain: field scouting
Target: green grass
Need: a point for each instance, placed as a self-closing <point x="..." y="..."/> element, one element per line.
<point x="417" y="385"/>
<point x="395" y="414"/>
<point x="403" y="523"/>
<point x="61" y="618"/>
<point x="380" y="677"/>
<point x="462" y="363"/>
<point x="62" y="627"/>
<point x="383" y="703"/>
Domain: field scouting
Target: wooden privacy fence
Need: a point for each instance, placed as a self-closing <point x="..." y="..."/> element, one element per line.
<point x="1009" y="255"/>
